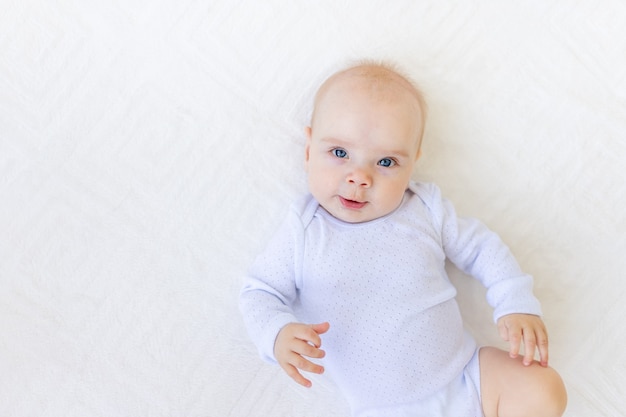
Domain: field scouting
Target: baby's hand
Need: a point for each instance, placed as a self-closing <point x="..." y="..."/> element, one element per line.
<point x="296" y="340"/>
<point x="515" y="328"/>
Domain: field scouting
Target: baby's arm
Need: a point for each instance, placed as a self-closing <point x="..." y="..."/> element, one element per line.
<point x="293" y="343"/>
<point x="479" y="252"/>
<point x="526" y="328"/>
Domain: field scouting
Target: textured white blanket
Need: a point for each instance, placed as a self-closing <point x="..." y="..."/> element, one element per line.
<point x="148" y="149"/>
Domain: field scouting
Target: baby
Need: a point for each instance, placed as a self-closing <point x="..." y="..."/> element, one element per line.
<point x="359" y="266"/>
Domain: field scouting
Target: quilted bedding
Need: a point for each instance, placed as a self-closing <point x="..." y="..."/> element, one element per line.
<point x="148" y="150"/>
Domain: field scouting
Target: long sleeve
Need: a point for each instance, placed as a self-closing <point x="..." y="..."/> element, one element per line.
<point x="480" y="252"/>
<point x="270" y="288"/>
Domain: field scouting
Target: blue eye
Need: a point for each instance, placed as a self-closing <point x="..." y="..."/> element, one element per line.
<point x="339" y="153"/>
<point x="386" y="162"/>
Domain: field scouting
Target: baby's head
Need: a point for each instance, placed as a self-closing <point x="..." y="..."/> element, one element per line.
<point x="365" y="136"/>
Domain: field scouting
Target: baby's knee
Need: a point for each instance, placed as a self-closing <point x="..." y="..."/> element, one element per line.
<point x="508" y="388"/>
<point x="552" y="393"/>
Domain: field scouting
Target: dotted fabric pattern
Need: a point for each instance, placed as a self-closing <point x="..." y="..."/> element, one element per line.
<point x="396" y="332"/>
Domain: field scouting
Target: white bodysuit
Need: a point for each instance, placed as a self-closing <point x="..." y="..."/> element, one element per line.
<point x="396" y="335"/>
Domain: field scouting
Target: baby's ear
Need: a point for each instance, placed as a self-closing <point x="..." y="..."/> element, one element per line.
<point x="308" y="133"/>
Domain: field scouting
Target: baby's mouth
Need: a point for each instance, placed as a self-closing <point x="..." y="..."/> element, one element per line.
<point x="351" y="204"/>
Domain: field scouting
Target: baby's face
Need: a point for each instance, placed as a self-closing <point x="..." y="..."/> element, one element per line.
<point x="360" y="152"/>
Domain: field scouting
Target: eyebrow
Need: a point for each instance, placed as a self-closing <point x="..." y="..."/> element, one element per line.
<point x="339" y="142"/>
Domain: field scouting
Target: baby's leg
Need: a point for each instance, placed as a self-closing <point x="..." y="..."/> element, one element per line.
<point x="510" y="389"/>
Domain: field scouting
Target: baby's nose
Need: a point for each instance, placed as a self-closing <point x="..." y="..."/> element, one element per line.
<point x="360" y="177"/>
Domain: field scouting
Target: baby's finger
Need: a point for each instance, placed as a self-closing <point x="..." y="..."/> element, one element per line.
<point x="542" y="345"/>
<point x="294" y="374"/>
<point x="504" y="331"/>
<point x="304" y="364"/>
<point x="530" y="345"/>
<point x="307" y="349"/>
<point x="308" y="335"/>
<point x="515" y="340"/>
<point x="320" y="328"/>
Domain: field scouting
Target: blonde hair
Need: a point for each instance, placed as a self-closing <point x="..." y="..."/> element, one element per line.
<point x="379" y="75"/>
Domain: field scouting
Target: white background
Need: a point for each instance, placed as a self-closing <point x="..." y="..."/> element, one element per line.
<point x="149" y="148"/>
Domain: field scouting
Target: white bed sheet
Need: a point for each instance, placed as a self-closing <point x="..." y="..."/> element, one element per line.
<point x="147" y="150"/>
